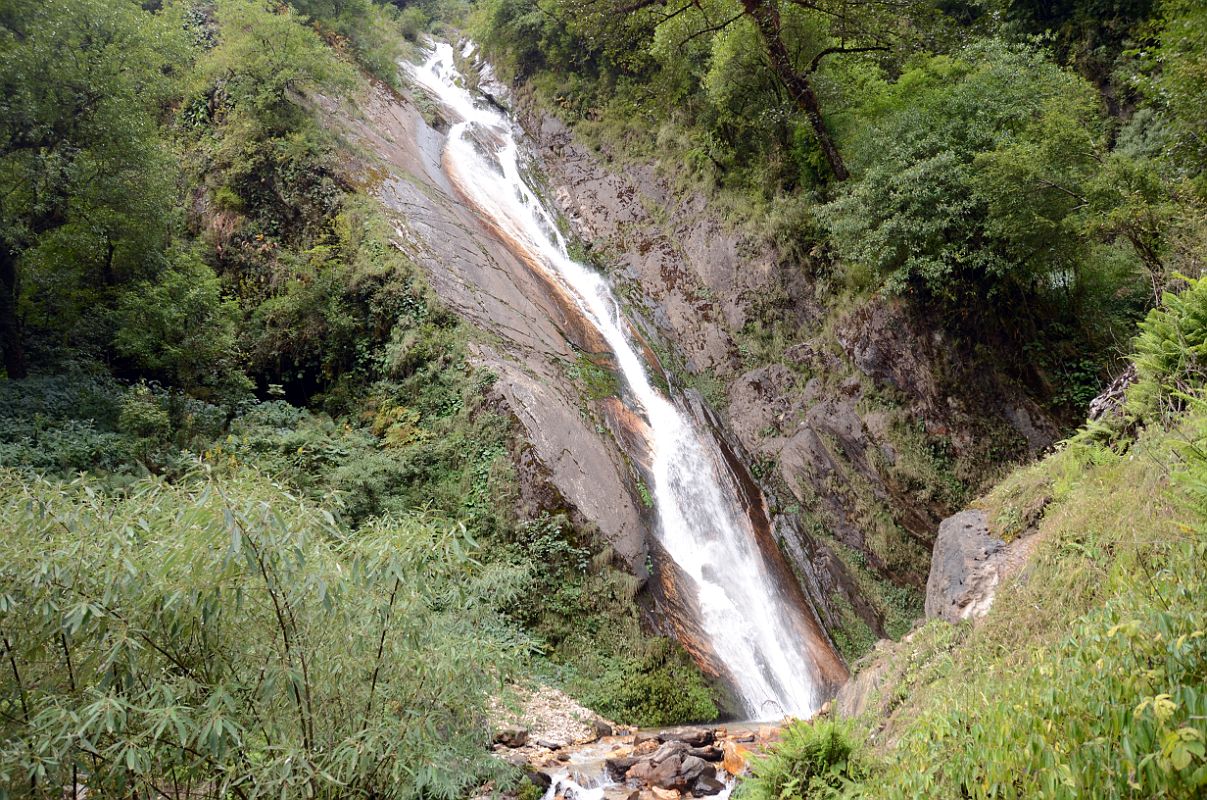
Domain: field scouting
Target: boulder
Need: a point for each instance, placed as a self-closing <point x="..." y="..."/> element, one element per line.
<point x="692" y="737"/>
<point x="707" y="786"/>
<point x="600" y="728"/>
<point x="646" y="746"/>
<point x="664" y="794"/>
<point x="538" y="779"/>
<point x="734" y="761"/>
<point x="670" y="750"/>
<point x="963" y="568"/>
<point x="693" y="769"/>
<point x="617" y="768"/>
<point x="710" y="753"/>
<point x="668" y="774"/>
<point x="512" y="736"/>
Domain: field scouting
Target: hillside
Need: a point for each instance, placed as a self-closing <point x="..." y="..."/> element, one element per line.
<point x="370" y="366"/>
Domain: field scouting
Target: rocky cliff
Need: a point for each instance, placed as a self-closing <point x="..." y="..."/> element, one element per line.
<point x="815" y="436"/>
<point x="838" y="415"/>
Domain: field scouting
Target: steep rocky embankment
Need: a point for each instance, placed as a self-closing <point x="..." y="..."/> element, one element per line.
<point x="822" y="439"/>
<point x="868" y="424"/>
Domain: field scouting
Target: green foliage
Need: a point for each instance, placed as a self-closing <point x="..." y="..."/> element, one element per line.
<point x="1087" y="676"/>
<point x="180" y="330"/>
<point x="1171" y="354"/>
<point x="1176" y="78"/>
<point x="1127" y="680"/>
<point x="264" y="59"/>
<point x="596" y="381"/>
<point x="970" y="171"/>
<point x="813" y="760"/>
<point x="664" y="688"/>
<point x="84" y="175"/>
<point x="222" y="636"/>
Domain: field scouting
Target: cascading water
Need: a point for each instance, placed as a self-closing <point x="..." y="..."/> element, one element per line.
<point x="702" y="525"/>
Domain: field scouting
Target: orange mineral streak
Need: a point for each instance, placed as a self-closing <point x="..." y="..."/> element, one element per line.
<point x="563" y="308"/>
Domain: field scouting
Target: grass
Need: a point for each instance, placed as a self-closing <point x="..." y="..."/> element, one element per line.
<point x="1087" y="676"/>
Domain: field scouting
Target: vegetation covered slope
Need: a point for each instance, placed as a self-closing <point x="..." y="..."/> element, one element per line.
<point x="261" y="519"/>
<point x="1088" y="678"/>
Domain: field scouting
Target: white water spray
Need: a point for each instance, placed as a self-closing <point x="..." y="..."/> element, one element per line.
<point x="702" y="524"/>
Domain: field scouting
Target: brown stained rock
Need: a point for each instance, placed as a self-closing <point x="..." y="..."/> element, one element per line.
<point x="709" y="753"/>
<point x="668" y="774"/>
<point x="645" y="746"/>
<point x="618" y="768"/>
<point x="693" y="768"/>
<point x="735" y="758"/>
<point x="660" y="793"/>
<point x="512" y="736"/>
<point x="670" y="749"/>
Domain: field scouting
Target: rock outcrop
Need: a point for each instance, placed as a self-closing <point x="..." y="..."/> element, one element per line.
<point x="963" y="571"/>
<point x="968" y="566"/>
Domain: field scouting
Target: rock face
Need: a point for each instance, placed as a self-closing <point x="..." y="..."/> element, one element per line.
<point x="536" y="328"/>
<point x="970" y="564"/>
<point x="963" y="572"/>
<point x="814" y="418"/>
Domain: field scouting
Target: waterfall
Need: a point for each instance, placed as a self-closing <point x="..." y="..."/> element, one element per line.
<point x="701" y="523"/>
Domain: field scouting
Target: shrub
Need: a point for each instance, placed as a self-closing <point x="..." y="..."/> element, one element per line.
<point x="1171" y="352"/>
<point x="813" y="760"/>
<point x="224" y="639"/>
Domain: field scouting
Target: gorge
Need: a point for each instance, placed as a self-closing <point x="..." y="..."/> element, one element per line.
<point x="768" y="644"/>
<point x="603" y="400"/>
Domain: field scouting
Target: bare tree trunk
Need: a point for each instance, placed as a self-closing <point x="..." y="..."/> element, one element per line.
<point x="10" y="325"/>
<point x="766" y="17"/>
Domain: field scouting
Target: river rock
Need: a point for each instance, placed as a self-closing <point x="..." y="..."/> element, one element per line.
<point x="600" y="727"/>
<point x="617" y="768"/>
<point x="963" y="569"/>
<point x="692" y="769"/>
<point x="669" y="750"/>
<point x="538" y="779"/>
<point x="621" y="793"/>
<point x="512" y="736"/>
<point x="710" y="753"/>
<point x="707" y="786"/>
<point x="692" y="737"/>
<point x="664" y="774"/>
<point x="664" y="794"/>
<point x="734" y="761"/>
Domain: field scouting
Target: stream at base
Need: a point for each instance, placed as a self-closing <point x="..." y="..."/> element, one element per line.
<point x="702" y="525"/>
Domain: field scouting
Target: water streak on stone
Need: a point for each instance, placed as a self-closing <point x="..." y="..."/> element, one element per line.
<point x="701" y="523"/>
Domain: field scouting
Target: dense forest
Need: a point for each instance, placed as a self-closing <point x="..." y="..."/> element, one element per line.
<point x="264" y="530"/>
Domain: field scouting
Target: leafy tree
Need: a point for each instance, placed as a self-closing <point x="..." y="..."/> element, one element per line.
<point x="1176" y="79"/>
<point x="972" y="170"/>
<point x="846" y="27"/>
<point x="84" y="178"/>
<point x="265" y="59"/>
<point x="180" y="330"/>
